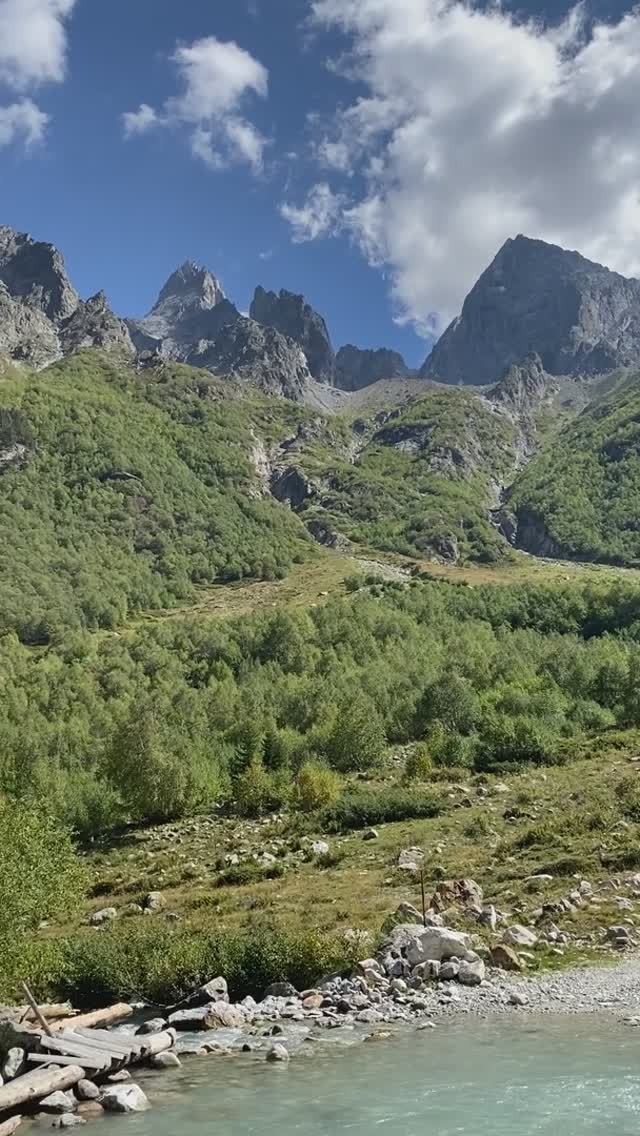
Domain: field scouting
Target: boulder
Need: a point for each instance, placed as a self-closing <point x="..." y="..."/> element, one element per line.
<point x="280" y="990"/>
<point x="153" y="1025"/>
<point x="277" y="1052"/>
<point x="451" y="892"/>
<point x="488" y="917"/>
<point x="517" y="998"/>
<point x="505" y="958"/>
<point x="68" y="1120"/>
<point x="411" y="859"/>
<point x="320" y="848"/>
<point x="313" y="1001"/>
<point x="125" y="1098"/>
<point x="167" y="1060"/>
<point x="371" y="834"/>
<point x="87" y="1091"/>
<point x="214" y="1016"/>
<point x="154" y="901"/>
<point x="13" y="1063"/>
<point x="519" y="936"/>
<point x="99" y="918"/>
<point x="59" y="1102"/>
<point x="472" y="971"/>
<point x="450" y="970"/>
<point x="437" y="944"/>
<point x="90" y="1110"/>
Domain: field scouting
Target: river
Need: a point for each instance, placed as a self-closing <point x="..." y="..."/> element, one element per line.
<point x="557" y="1076"/>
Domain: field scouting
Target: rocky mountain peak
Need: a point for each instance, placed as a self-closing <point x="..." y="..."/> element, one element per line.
<point x="580" y="317"/>
<point x="34" y="273"/>
<point x="195" y="282"/>
<point x="289" y="314"/>
<point x="357" y="368"/>
<point x="259" y="354"/>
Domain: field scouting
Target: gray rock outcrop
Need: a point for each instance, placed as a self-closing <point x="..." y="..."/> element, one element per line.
<point x="93" y="324"/>
<point x="292" y="317"/>
<point x="580" y="318"/>
<point x="190" y="311"/>
<point x="251" y="352"/>
<point x="34" y="273"/>
<point x="356" y="368"/>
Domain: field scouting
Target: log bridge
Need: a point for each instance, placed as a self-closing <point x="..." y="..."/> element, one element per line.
<point x="71" y="1049"/>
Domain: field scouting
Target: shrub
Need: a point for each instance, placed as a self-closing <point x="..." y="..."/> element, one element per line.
<point x="258" y="792"/>
<point x="238" y="875"/>
<point x="360" y="809"/>
<point x="357" y="741"/>
<point x="316" y="787"/>
<point x="419" y="764"/>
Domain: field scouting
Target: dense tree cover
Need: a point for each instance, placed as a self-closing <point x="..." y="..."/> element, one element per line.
<point x="584" y="486"/>
<point x="423" y="480"/>
<point x="161" y="722"/>
<point x="129" y="490"/>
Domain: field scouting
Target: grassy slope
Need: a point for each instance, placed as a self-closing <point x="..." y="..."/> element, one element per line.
<point x="78" y="549"/>
<point x="425" y="475"/>
<point x="585" y="484"/>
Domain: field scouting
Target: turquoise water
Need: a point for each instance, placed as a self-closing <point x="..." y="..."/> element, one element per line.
<point x="562" y="1077"/>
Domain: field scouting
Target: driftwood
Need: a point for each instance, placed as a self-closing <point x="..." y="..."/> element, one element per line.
<point x="155" y="1043"/>
<point x="10" y="1126"/>
<point x="42" y="1021"/>
<point x="37" y="1084"/>
<point x="97" y="1064"/>
<point x="110" y="1016"/>
<point x="52" y="1011"/>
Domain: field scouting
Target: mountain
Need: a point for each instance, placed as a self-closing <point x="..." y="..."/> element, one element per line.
<point x="249" y="351"/>
<point x="41" y="315"/>
<point x="190" y="308"/>
<point x="356" y="368"/>
<point x="291" y="316"/>
<point x="580" y="318"/>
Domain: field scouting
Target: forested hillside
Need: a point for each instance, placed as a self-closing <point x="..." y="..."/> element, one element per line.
<point x="580" y="496"/>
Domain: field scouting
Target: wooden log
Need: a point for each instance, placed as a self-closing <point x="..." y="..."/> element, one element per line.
<point x="159" y="1042"/>
<point x="110" y="1016"/>
<point x="96" y="1062"/>
<point x="52" y="1011"/>
<point x="10" y="1126"/>
<point x="129" y="1044"/>
<point x="39" y="1016"/>
<point x="80" y="1048"/>
<point x="37" y="1084"/>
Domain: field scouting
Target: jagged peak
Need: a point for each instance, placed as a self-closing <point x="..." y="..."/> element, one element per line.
<point x="189" y="279"/>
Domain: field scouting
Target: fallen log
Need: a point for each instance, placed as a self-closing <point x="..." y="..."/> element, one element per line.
<point x="52" y="1011"/>
<point x="156" y="1043"/>
<point x="82" y="1050"/>
<point x="97" y="1063"/>
<point x="111" y="1015"/>
<point x="10" y="1126"/>
<point x="37" y="1084"/>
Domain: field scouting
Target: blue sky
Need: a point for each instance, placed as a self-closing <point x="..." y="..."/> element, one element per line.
<point x="383" y="150"/>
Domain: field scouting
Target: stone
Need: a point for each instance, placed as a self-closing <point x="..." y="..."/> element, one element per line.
<point x="90" y="1110"/>
<point x="519" y="936"/>
<point x="449" y="970"/>
<point x="277" y="1052"/>
<point x="367" y="1017"/>
<point x="488" y="917"/>
<point x="59" y="1102"/>
<point x="166" y="1060"/>
<point x="313" y="1001"/>
<point x="13" y="1063"/>
<point x="125" y="1098"/>
<point x="68" y="1120"/>
<point x="152" y="1025"/>
<point x="280" y="990"/>
<point x="216" y="990"/>
<point x="154" y="901"/>
<point x="505" y="958"/>
<point x="261" y="356"/>
<point x="119" y="1078"/>
<point x="85" y="1090"/>
<point x="517" y="998"/>
<point x="438" y="944"/>
<point x="411" y="859"/>
<point x="106" y="915"/>
<point x="371" y="834"/>
<point x="216" y="1015"/>
<point x="472" y="972"/>
<point x="320" y="848"/>
<point x="450" y="892"/>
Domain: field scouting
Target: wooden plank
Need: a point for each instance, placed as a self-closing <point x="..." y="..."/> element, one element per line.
<point x="42" y="1021"/>
<point x="37" y="1084"/>
<point x="127" y="1043"/>
<point x="96" y="1062"/>
<point x="79" y="1048"/>
<point x="10" y="1126"/>
<point x="111" y="1015"/>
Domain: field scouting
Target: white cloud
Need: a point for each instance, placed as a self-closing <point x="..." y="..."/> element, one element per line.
<point x="22" y="120"/>
<point x="140" y="120"/>
<point x="33" y="41"/>
<point x="215" y="78"/>
<point x="33" y="51"/>
<point x="319" y="216"/>
<point x="475" y="126"/>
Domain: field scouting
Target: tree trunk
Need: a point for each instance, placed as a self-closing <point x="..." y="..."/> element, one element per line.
<point x="111" y="1015"/>
<point x="36" y="1085"/>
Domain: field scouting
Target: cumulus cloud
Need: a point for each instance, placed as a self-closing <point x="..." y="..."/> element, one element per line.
<point x="22" y="120"/>
<point x="33" y="51"/>
<point x="215" y="80"/>
<point x="319" y="216"/>
<point x="473" y="125"/>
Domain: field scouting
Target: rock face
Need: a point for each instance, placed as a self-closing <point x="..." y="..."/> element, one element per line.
<point x="190" y="311"/>
<point x="41" y="314"/>
<point x="261" y="355"/>
<point x="356" y="368"/>
<point x="581" y="318"/>
<point x="292" y="317"/>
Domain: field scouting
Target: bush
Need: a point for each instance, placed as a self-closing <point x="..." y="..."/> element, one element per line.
<point x="258" y="792"/>
<point x="316" y="787"/>
<point x="239" y="875"/>
<point x="357" y="741"/>
<point x="419" y="764"/>
<point x="361" y="809"/>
